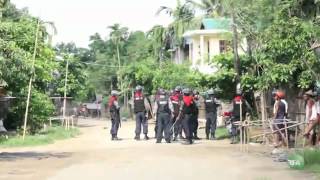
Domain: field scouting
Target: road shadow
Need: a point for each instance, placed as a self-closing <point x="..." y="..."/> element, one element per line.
<point x="9" y="156"/>
<point x="85" y="125"/>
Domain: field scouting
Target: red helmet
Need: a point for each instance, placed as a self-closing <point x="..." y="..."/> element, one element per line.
<point x="280" y="94"/>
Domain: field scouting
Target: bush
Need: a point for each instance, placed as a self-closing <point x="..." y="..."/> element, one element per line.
<point x="48" y="137"/>
<point x="40" y="109"/>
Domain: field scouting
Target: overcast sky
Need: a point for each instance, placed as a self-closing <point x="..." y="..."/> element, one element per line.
<point x="76" y="20"/>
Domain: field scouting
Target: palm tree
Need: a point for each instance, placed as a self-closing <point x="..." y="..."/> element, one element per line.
<point x="118" y="35"/>
<point x="158" y="36"/>
<point x="3" y="4"/>
<point x="183" y="16"/>
<point x="210" y="7"/>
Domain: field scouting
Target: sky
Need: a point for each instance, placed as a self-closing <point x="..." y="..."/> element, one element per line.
<point x="76" y="20"/>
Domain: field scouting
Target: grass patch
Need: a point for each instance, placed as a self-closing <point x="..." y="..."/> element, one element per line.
<point x="43" y="138"/>
<point x="222" y="133"/>
<point x="311" y="160"/>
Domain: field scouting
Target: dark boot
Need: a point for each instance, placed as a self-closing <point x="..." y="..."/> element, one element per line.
<point x="116" y="138"/>
<point x="112" y="137"/>
<point x="213" y="137"/>
<point x="233" y="140"/>
<point x="168" y="140"/>
<point x="175" y="138"/>
<point x="207" y="136"/>
<point x="146" y="137"/>
<point x="158" y="141"/>
<point x="195" y="137"/>
<point x="137" y="138"/>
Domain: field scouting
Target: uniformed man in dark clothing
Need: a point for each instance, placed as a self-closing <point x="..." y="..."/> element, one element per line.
<point x="195" y="115"/>
<point x="211" y="105"/>
<point x="186" y="110"/>
<point x="164" y="111"/>
<point x="141" y="108"/>
<point x="114" y="109"/>
<point x="238" y="101"/>
<point x="175" y="100"/>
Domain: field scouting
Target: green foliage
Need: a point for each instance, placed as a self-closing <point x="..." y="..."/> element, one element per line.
<point x="40" y="110"/>
<point x="17" y="42"/>
<point x="222" y="133"/>
<point x="43" y="138"/>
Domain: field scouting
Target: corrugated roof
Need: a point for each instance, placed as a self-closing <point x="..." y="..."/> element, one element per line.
<point x="216" y="23"/>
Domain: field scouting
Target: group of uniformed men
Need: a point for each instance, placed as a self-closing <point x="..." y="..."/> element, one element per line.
<point x="175" y="112"/>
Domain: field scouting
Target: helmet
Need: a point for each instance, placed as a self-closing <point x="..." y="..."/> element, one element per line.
<point x="178" y="88"/>
<point x="114" y="93"/>
<point x="280" y="94"/>
<point x="239" y="89"/>
<point x="210" y="92"/>
<point x="310" y="93"/>
<point x="186" y="91"/>
<point x="139" y="88"/>
<point x="161" y="91"/>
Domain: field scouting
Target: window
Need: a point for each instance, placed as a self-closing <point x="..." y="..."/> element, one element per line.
<point x="223" y="46"/>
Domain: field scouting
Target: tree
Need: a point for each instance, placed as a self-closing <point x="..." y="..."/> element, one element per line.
<point x="211" y="8"/>
<point x="182" y="15"/>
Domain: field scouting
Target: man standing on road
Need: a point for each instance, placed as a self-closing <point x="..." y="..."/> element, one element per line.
<point x="195" y="115"/>
<point x="186" y="110"/>
<point x="175" y="99"/>
<point x="311" y="115"/>
<point x="114" y="109"/>
<point x="141" y="108"/>
<point x="240" y="108"/>
<point x="211" y="105"/>
<point x="279" y="115"/>
<point x="164" y="111"/>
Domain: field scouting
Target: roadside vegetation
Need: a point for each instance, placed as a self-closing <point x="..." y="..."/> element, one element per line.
<point x="51" y="135"/>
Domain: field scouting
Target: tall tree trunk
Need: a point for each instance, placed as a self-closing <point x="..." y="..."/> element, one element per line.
<point x="235" y="47"/>
<point x="120" y="77"/>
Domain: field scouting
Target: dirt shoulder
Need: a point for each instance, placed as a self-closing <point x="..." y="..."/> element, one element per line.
<point x="93" y="155"/>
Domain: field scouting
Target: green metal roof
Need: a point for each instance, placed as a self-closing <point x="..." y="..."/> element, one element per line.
<point x="216" y="23"/>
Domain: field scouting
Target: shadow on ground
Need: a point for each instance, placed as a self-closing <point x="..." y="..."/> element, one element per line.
<point x="8" y="156"/>
<point x="85" y="125"/>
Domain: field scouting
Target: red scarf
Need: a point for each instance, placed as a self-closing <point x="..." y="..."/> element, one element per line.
<point x="238" y="98"/>
<point x="112" y="100"/>
<point x="188" y="100"/>
<point x="175" y="97"/>
<point x="138" y="94"/>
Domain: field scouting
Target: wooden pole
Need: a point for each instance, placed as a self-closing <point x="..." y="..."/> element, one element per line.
<point x="296" y="137"/>
<point x="298" y="124"/>
<point x="241" y="133"/>
<point x="31" y="79"/>
<point x="65" y="91"/>
<point x="286" y="136"/>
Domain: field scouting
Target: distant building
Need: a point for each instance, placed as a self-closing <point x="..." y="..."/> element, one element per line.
<point x="201" y="45"/>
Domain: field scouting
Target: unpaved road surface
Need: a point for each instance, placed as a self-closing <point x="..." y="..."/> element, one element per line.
<point x="92" y="156"/>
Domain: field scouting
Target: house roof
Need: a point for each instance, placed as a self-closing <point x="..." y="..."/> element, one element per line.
<point x="211" y="26"/>
<point x="216" y="23"/>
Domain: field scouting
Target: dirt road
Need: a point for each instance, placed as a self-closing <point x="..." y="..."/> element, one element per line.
<point x="93" y="156"/>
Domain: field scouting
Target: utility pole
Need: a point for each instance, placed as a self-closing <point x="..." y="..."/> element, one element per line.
<point x="31" y="79"/>
<point x="65" y="91"/>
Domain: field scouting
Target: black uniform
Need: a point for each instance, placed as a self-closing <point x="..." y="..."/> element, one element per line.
<point x="140" y="111"/>
<point x="236" y="113"/>
<point x="115" y="117"/>
<point x="163" y="118"/>
<point x="186" y="111"/>
<point x="194" y="121"/>
<point x="211" y="115"/>
<point x="175" y="100"/>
